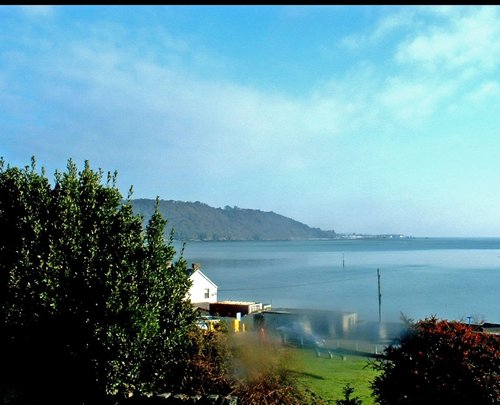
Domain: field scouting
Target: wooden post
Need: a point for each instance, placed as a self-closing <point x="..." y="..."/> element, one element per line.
<point x="379" y="299"/>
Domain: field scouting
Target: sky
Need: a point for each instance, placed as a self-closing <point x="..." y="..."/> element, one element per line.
<point x="360" y="119"/>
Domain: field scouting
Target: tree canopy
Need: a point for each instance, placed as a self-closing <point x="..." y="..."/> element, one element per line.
<point x="91" y="302"/>
<point x="198" y="221"/>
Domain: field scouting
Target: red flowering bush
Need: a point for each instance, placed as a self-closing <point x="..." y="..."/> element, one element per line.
<point x="440" y="362"/>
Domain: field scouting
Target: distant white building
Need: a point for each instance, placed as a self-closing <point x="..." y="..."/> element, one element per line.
<point x="203" y="291"/>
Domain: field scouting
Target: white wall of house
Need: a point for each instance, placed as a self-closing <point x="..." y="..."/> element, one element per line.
<point x="202" y="288"/>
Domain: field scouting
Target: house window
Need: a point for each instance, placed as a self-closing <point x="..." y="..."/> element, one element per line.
<point x="207" y="292"/>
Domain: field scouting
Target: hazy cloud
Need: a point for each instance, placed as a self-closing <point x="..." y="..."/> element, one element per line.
<point x="165" y="103"/>
<point x="471" y="39"/>
<point x="484" y="91"/>
<point x="38" y="10"/>
<point x="387" y="26"/>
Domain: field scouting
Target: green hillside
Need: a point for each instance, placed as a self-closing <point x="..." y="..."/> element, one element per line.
<point x="199" y="221"/>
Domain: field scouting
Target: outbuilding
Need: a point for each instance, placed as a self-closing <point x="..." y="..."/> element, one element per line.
<point x="233" y="308"/>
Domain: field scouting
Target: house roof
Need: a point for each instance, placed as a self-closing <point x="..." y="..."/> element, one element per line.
<point x="191" y="272"/>
<point x="238" y="302"/>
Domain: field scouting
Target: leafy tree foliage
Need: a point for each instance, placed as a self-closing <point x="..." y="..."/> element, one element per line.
<point x="440" y="362"/>
<point x="91" y="303"/>
<point x="198" y="221"/>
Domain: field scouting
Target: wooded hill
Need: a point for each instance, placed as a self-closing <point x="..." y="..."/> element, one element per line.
<point x="199" y="221"/>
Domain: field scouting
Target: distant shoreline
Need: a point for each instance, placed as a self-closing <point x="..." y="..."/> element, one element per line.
<point x="394" y="237"/>
<point x="352" y="236"/>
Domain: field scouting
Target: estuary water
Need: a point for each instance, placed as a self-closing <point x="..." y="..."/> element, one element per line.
<point x="451" y="278"/>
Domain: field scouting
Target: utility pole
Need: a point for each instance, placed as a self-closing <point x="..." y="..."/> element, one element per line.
<point x="379" y="298"/>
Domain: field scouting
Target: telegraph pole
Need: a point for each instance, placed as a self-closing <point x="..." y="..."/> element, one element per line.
<point x="379" y="298"/>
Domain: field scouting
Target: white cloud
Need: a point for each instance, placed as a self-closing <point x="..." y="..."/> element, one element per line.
<point x="38" y="10"/>
<point x="412" y="102"/>
<point x="388" y="25"/>
<point x="484" y="91"/>
<point x="470" y="39"/>
<point x="129" y="89"/>
<point x="391" y="23"/>
<point x="447" y="52"/>
<point x="441" y="53"/>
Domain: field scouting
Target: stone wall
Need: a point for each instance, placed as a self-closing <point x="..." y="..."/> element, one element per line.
<point x="181" y="399"/>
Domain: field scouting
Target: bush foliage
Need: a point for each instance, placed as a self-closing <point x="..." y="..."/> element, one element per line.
<point x="440" y="362"/>
<point x="91" y="303"/>
<point x="94" y="307"/>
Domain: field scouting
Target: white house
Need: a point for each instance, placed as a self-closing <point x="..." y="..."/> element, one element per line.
<point x="203" y="291"/>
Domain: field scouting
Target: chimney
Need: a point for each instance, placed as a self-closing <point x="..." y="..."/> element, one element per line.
<point x="196" y="266"/>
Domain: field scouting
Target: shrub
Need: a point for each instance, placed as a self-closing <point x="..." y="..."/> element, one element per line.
<point x="89" y="305"/>
<point x="440" y="362"/>
<point x="348" y="400"/>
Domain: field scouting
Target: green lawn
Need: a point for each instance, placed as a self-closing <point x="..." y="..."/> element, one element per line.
<point x="327" y="376"/>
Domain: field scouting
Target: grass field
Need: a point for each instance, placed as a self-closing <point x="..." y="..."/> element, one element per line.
<point x="326" y="376"/>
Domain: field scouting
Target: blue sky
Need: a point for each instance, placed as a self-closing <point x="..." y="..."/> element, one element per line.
<point x="365" y="119"/>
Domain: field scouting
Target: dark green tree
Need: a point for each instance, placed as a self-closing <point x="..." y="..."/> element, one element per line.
<point x="91" y="303"/>
<point x="348" y="400"/>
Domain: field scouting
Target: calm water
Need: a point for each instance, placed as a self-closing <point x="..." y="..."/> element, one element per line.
<point x="449" y="278"/>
